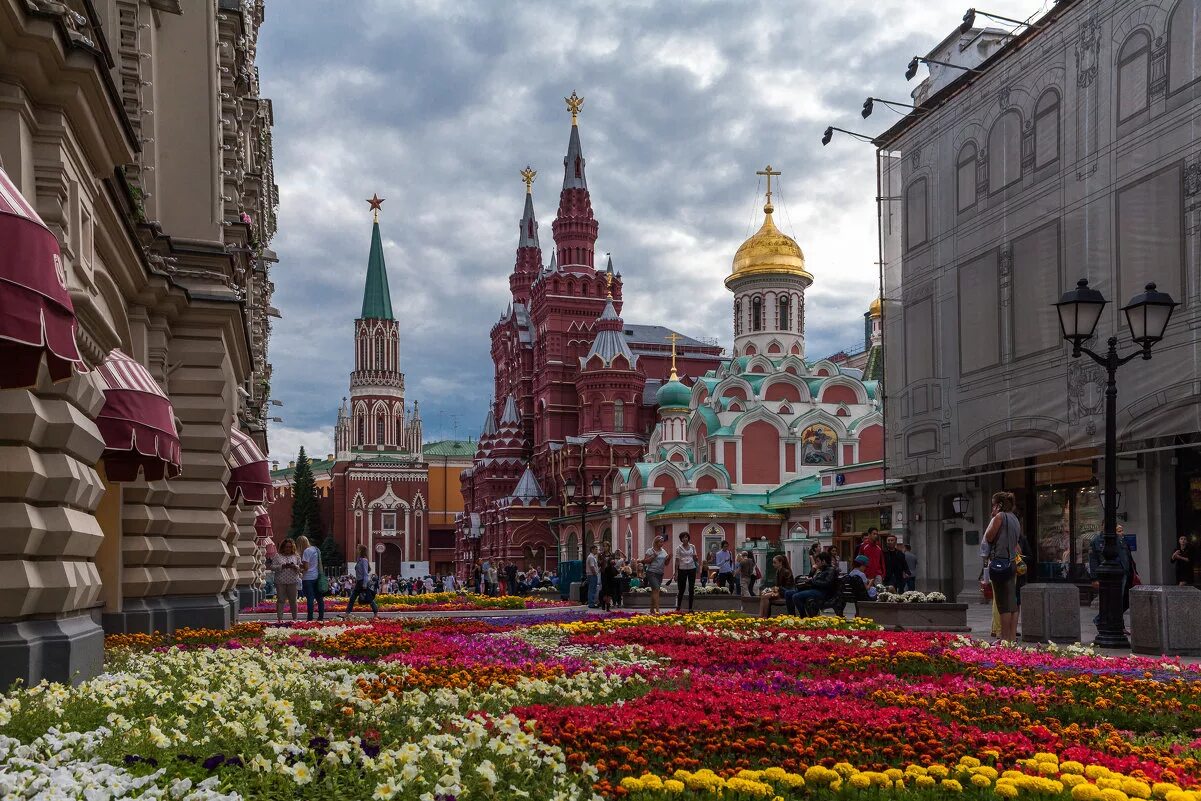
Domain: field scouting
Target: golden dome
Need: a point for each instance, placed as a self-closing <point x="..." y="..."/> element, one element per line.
<point x="874" y="310"/>
<point x="769" y="252"/>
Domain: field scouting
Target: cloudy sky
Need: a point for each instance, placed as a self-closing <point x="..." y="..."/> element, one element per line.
<point x="437" y="106"/>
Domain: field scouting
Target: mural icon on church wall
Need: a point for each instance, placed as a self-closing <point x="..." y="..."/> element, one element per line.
<point x="818" y="443"/>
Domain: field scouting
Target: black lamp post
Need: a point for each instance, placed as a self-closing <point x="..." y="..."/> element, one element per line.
<point x="1147" y="315"/>
<point x="595" y="489"/>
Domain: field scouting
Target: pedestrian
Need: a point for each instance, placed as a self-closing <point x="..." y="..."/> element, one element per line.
<point x="686" y="567"/>
<point x="310" y="556"/>
<point x="1182" y="562"/>
<point x="895" y="566"/>
<point x="748" y="572"/>
<point x="815" y="592"/>
<point x="1096" y="555"/>
<point x="623" y="577"/>
<point x="362" y="585"/>
<point x="784" y="583"/>
<point x="1003" y="536"/>
<point x="477" y="578"/>
<point x="724" y="559"/>
<point x="592" y="576"/>
<point x="610" y="587"/>
<point x="288" y="568"/>
<point x="655" y="560"/>
<point x="870" y="547"/>
<point x="511" y="578"/>
<point x="493" y="581"/>
<point x="910" y="568"/>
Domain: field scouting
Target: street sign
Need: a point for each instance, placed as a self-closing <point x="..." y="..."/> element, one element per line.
<point x="380" y="548"/>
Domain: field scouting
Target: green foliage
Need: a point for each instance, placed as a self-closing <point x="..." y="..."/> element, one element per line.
<point x="306" y="510"/>
<point x="331" y="554"/>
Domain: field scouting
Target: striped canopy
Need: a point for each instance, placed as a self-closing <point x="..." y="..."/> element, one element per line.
<point x="38" y="320"/>
<point x="250" y="476"/>
<point x="137" y="422"/>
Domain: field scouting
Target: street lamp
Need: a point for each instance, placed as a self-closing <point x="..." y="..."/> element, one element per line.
<point x="1147" y="316"/>
<point x="962" y="506"/>
<point x="594" y="489"/>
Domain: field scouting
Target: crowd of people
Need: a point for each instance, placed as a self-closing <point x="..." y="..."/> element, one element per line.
<point x="495" y="577"/>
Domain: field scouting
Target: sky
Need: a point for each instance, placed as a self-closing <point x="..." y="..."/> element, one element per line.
<point x="437" y="106"/>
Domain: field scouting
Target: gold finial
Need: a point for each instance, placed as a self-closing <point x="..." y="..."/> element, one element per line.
<point x="609" y="285"/>
<point x="769" y="172"/>
<point x="528" y="176"/>
<point x="673" y="337"/>
<point x="375" y="201"/>
<point x="574" y="104"/>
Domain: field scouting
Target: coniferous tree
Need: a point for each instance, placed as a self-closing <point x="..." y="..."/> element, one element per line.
<point x="306" y="513"/>
<point x="331" y="554"/>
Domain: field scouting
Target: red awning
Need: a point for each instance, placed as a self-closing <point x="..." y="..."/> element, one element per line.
<point x="137" y="422"/>
<point x="262" y="532"/>
<point x="38" y="319"/>
<point x="250" y="476"/>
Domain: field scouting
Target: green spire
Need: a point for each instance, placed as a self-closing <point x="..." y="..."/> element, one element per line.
<point x="377" y="300"/>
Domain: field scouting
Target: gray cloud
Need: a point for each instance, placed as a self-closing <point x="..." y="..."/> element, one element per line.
<point x="437" y="105"/>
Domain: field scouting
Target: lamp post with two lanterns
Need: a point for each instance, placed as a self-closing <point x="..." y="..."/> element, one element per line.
<point x="1147" y="315"/>
<point x="569" y="488"/>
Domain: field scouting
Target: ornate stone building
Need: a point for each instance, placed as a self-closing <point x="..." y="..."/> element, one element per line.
<point x="138" y="204"/>
<point x="573" y="388"/>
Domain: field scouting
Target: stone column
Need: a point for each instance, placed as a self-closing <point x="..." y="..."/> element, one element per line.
<point x="242" y="516"/>
<point x="49" y="535"/>
<point x="200" y="540"/>
<point x="144" y="552"/>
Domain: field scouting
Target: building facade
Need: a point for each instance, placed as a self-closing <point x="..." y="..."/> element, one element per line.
<point x="138" y="203"/>
<point x="1071" y="152"/>
<point x="768" y="451"/>
<point x="573" y="389"/>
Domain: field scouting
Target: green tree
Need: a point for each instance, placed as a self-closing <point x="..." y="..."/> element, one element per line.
<point x="331" y="554"/>
<point x="306" y="511"/>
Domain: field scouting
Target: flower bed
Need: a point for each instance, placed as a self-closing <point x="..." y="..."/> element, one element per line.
<point x="430" y="602"/>
<point x="579" y="707"/>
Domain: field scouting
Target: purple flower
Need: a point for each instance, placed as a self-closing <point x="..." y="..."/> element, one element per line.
<point x="371" y="750"/>
<point x="213" y="762"/>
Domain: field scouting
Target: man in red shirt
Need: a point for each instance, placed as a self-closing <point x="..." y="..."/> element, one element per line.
<point x="870" y="547"/>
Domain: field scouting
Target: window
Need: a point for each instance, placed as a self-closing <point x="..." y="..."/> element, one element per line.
<point x="380" y="429"/>
<point x="1005" y="151"/>
<point x="737" y="317"/>
<point x="399" y="434"/>
<point x="387" y="523"/>
<point x="965" y="177"/>
<point x="1134" y="75"/>
<point x="915" y="214"/>
<point x="1184" y="45"/>
<point x="1151" y="233"/>
<point x="785" y="321"/>
<point x="619" y="416"/>
<point x="379" y="353"/>
<point x="362" y="430"/>
<point x="1046" y="129"/>
<point x="757" y="314"/>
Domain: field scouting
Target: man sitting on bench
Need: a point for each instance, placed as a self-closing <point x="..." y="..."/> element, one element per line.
<point x="862" y="590"/>
<point x="814" y="593"/>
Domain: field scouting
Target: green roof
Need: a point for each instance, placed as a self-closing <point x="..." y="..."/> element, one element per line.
<point x="377" y="300"/>
<point x="712" y="423"/>
<point x="794" y="492"/>
<point x="318" y="466"/>
<point x="708" y="503"/>
<point x="450" y="447"/>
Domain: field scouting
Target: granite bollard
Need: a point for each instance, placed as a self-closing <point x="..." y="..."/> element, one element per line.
<point x="1051" y="613"/>
<point x="1165" y="620"/>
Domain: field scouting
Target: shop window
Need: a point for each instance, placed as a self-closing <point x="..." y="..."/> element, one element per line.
<point x="1066" y="520"/>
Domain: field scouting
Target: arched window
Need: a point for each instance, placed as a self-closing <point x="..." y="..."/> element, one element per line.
<point x="757" y="314"/>
<point x="1184" y="45"/>
<point x="916" y="229"/>
<point x="1046" y="129"/>
<point x="619" y="416"/>
<point x="785" y="317"/>
<point x="399" y="440"/>
<point x="381" y="429"/>
<point x="362" y="429"/>
<point x="965" y="177"/>
<point x="1134" y="75"/>
<point x="737" y="317"/>
<point x="1005" y="151"/>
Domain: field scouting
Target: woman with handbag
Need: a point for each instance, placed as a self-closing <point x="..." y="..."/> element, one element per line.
<point x="362" y="585"/>
<point x="1003" y="536"/>
<point x="310" y="583"/>
<point x="287" y="568"/>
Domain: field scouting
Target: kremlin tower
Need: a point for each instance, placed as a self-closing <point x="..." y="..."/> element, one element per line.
<point x="572" y="391"/>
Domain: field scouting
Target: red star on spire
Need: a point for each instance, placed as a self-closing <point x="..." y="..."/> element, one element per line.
<point x="375" y="201"/>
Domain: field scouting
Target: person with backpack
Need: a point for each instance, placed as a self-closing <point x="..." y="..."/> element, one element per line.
<point x="1003" y="536"/>
<point x="362" y="585"/>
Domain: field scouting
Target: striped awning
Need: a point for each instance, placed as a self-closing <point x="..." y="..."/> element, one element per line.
<point x="263" y="535"/>
<point x="250" y="476"/>
<point x="137" y="422"/>
<point x="38" y="320"/>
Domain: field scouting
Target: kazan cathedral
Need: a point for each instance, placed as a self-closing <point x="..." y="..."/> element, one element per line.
<point x="607" y="432"/>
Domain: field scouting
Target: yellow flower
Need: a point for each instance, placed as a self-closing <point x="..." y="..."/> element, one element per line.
<point x="980" y="780"/>
<point x="650" y="781"/>
<point x="1161" y="789"/>
<point x="952" y="785"/>
<point x="631" y="784"/>
<point x="894" y="775"/>
<point x="1072" y="779"/>
<point x="971" y="762"/>
<point x="1006" y="791"/>
<point x="925" y="781"/>
<point x="1071" y="766"/>
<point x="1135" y="788"/>
<point x="673" y="786"/>
<point x="938" y="771"/>
<point x="1045" y="757"/>
<point x="1095" y="771"/>
<point x="1112" y="794"/>
<point x="1086" y="792"/>
<point x="1048" y="768"/>
<point x="845" y="769"/>
<point x="860" y="781"/>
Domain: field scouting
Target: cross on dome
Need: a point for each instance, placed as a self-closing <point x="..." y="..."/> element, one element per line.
<point x="769" y="172"/>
